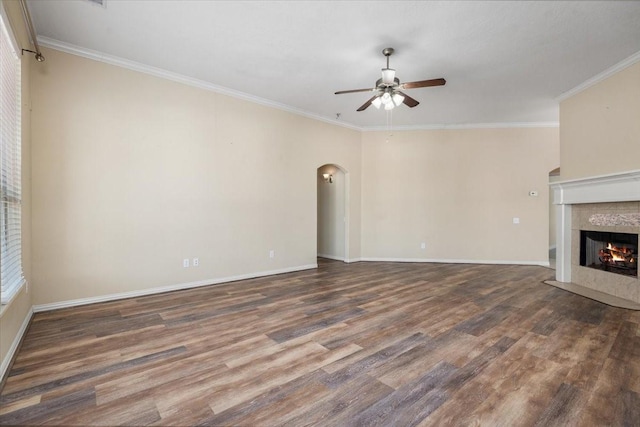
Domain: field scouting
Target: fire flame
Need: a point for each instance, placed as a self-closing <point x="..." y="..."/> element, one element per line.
<point x="621" y="257"/>
<point x="619" y="254"/>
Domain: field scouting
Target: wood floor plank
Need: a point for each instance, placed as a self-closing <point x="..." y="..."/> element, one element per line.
<point x="275" y="405"/>
<point x="606" y="405"/>
<point x="420" y="359"/>
<point x="363" y="365"/>
<point x="345" y="344"/>
<point x="141" y="412"/>
<point x="229" y="396"/>
<point x="343" y="404"/>
<point x="521" y="397"/>
<point x="401" y="401"/>
<point x="563" y="409"/>
<point x="628" y="406"/>
<point x="89" y="373"/>
<point x="481" y="323"/>
<point x="83" y="400"/>
<point x="20" y="404"/>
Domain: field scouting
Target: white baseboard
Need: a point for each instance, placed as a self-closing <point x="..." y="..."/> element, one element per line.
<point x="15" y="344"/>
<point x="346" y="260"/>
<point x="159" y="290"/>
<point x="458" y="261"/>
<point x="333" y="257"/>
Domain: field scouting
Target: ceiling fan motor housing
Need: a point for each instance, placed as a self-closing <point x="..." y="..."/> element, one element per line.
<point x="382" y="85"/>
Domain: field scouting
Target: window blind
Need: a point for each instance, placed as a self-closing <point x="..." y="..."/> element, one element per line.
<point x="11" y="274"/>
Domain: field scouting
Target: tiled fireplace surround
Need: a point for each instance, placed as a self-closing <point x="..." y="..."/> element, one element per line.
<point x="616" y="198"/>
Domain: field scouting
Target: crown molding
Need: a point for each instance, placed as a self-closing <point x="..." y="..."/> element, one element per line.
<point x="600" y="77"/>
<point x="201" y="84"/>
<point x="179" y="78"/>
<point x="506" y="125"/>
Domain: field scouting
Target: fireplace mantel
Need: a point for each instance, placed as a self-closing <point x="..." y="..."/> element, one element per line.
<point x="613" y="188"/>
<point x="620" y="187"/>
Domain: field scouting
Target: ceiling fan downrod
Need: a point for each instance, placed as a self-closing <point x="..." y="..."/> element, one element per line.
<point x="388" y="74"/>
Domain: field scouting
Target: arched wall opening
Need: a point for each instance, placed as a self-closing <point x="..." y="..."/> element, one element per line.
<point x="554" y="176"/>
<point x="332" y="215"/>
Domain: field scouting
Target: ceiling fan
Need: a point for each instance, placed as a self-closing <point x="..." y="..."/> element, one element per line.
<point x="388" y="89"/>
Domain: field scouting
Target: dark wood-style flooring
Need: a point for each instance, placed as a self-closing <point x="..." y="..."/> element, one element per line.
<point x="347" y="344"/>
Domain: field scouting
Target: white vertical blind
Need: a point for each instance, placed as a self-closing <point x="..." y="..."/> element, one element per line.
<point x="11" y="275"/>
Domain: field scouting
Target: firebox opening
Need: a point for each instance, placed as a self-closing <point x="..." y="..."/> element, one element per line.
<point x="612" y="252"/>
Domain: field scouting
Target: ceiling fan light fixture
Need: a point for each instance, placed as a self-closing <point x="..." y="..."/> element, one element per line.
<point x="397" y="99"/>
<point x="388" y="76"/>
<point x="387" y="88"/>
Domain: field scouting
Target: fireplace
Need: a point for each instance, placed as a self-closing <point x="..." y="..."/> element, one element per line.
<point x="608" y="205"/>
<point x="613" y="252"/>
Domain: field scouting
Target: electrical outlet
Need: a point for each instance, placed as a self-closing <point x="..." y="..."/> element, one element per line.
<point x="272" y="253"/>
<point x="423" y="245"/>
<point x="516" y="220"/>
<point x="196" y="262"/>
<point x="185" y="262"/>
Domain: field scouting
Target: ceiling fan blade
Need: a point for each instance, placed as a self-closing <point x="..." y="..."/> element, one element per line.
<point x="423" y="83"/>
<point x="340" y="92"/>
<point x="408" y="101"/>
<point x="366" y="104"/>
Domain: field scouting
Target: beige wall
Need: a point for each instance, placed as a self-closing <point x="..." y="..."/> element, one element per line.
<point x="600" y="127"/>
<point x="457" y="191"/>
<point x="16" y="313"/>
<point x="133" y="173"/>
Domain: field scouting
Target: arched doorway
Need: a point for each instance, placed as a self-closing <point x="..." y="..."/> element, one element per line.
<point x="554" y="176"/>
<point x="332" y="218"/>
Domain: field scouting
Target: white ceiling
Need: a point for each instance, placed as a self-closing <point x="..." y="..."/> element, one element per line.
<point x="504" y="61"/>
